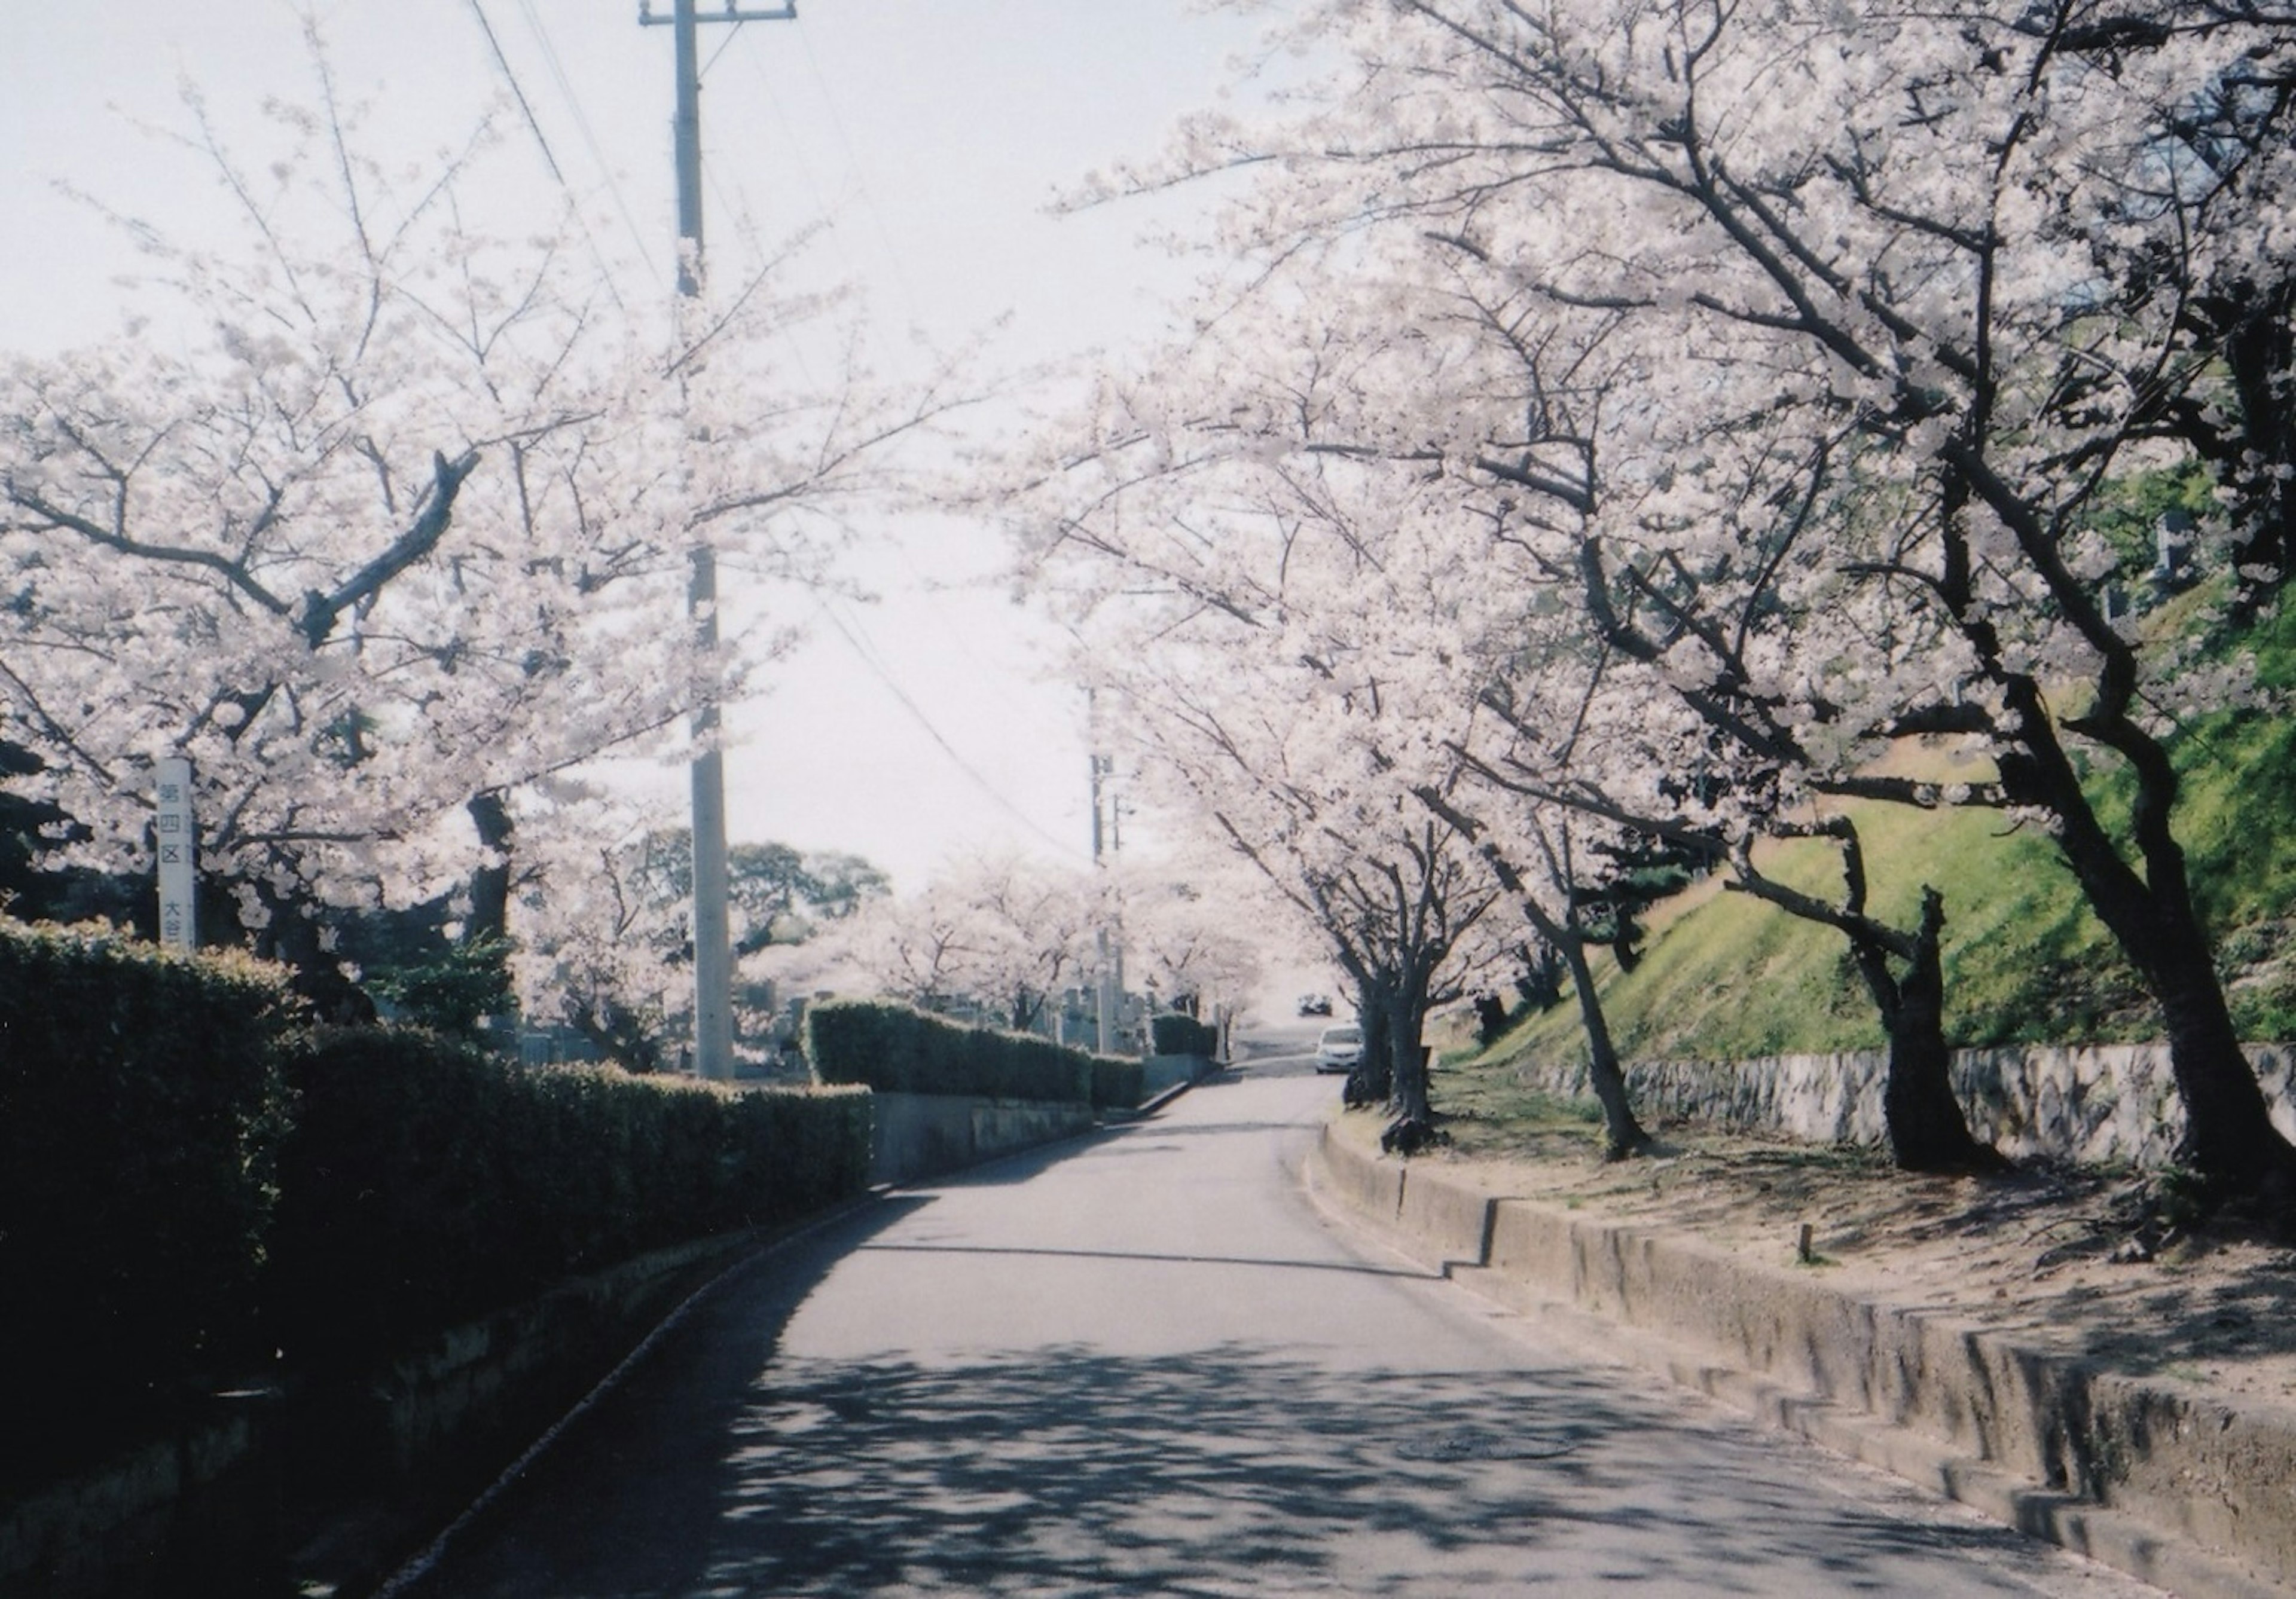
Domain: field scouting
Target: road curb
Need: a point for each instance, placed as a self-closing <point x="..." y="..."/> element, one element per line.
<point x="768" y="1243"/>
<point x="2188" y="1494"/>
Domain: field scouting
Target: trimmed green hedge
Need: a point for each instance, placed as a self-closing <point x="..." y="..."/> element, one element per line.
<point x="1178" y="1035"/>
<point x="189" y="1180"/>
<point x="897" y="1050"/>
<point x="142" y="1106"/>
<point x="426" y="1183"/>
<point x="1118" y="1084"/>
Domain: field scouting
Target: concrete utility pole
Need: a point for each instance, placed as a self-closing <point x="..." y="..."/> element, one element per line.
<point x="713" y="943"/>
<point x="1111" y="952"/>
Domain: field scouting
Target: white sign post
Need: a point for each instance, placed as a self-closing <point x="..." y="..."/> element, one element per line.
<point x="177" y="838"/>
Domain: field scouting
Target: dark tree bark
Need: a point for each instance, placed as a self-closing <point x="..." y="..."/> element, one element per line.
<point x="622" y="1037"/>
<point x="293" y="938"/>
<point x="1927" y="1129"/>
<point x="1372" y="1082"/>
<point x="1410" y="1099"/>
<point x="489" y="917"/>
<point x="2229" y="1138"/>
<point x="1490" y="1019"/>
<point x="1622" y="1135"/>
<point x="1921" y="1114"/>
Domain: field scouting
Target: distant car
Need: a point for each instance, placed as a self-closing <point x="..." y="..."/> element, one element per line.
<point x="1315" y="1004"/>
<point x="1338" y="1049"/>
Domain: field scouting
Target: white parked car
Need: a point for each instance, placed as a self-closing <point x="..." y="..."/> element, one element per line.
<point x="1338" y="1049"/>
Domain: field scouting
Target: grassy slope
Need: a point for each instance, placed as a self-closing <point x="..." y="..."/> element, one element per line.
<point x="1723" y="976"/>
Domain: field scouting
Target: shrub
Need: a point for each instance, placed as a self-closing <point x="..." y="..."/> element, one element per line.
<point x="1178" y="1035"/>
<point x="141" y="1110"/>
<point x="426" y="1182"/>
<point x="896" y="1050"/>
<point x="1118" y="1084"/>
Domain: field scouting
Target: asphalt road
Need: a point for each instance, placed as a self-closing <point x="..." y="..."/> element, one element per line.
<point x="1144" y="1363"/>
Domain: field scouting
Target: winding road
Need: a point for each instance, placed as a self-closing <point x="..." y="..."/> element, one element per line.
<point x="1145" y="1363"/>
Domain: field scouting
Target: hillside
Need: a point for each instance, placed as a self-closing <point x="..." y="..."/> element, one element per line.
<point x="1723" y="976"/>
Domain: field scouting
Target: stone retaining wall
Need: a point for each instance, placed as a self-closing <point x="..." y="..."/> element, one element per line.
<point x="1161" y="1074"/>
<point x="2099" y="1104"/>
<point x="202" y="1512"/>
<point x="924" y="1135"/>
<point x="2186" y="1492"/>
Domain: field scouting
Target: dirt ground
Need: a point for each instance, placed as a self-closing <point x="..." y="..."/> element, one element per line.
<point x="2096" y="1264"/>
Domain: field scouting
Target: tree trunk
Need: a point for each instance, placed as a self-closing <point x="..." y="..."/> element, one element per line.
<point x="1926" y="1128"/>
<point x="2229" y="1139"/>
<point x="292" y="937"/>
<point x="1622" y="1135"/>
<point x="1412" y="1124"/>
<point x="2253" y="331"/>
<point x="489" y="917"/>
<point x="1373" y="1080"/>
<point x="621" y="1036"/>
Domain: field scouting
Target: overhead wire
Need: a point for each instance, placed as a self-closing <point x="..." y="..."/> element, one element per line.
<point x="549" y="156"/>
<point x="855" y="637"/>
<point x="645" y="246"/>
<point x="821" y="206"/>
<point x="518" y="92"/>
<point x="893" y="258"/>
<point x="747" y="225"/>
<point x="869" y="658"/>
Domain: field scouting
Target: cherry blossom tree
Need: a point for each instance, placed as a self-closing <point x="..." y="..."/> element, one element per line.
<point x="601" y="925"/>
<point x="389" y="518"/>
<point x="1187" y="929"/>
<point x="1596" y="763"/>
<point x="1252" y="625"/>
<point x="1962" y="273"/>
<point x="1000" y="933"/>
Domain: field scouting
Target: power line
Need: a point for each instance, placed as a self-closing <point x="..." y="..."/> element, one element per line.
<point x="518" y="92"/>
<point x="868" y="658"/>
<point x="549" y="156"/>
<point x="550" y="58"/>
<point x="859" y="182"/>
<point x="732" y="34"/>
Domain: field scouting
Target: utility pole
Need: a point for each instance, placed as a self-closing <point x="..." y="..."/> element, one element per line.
<point x="1111" y="952"/>
<point x="713" y="943"/>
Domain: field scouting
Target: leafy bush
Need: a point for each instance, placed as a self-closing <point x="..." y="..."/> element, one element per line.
<point x="426" y="1182"/>
<point x="141" y="1109"/>
<point x="1118" y="1084"/>
<point x="450" y="988"/>
<point x="1178" y="1035"/>
<point x="896" y="1050"/>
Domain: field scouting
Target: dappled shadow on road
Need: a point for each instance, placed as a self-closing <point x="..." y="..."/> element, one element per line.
<point x="1166" y="1133"/>
<point x="1231" y="1471"/>
<point x="641" y="1475"/>
<point x="1255" y="1262"/>
<point x="1153" y="1133"/>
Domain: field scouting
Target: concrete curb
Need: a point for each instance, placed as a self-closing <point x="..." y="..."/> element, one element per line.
<point x="2188" y="1494"/>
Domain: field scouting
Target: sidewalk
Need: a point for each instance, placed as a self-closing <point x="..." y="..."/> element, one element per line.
<point x="2085" y="1410"/>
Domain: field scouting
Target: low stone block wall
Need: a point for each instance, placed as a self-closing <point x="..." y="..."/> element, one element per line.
<point x="2189" y="1467"/>
<point x="502" y="1376"/>
<point x="924" y="1135"/>
<point x="90" y="1535"/>
<point x="201" y="1513"/>
<point x="1160" y="1074"/>
<point x="2097" y="1105"/>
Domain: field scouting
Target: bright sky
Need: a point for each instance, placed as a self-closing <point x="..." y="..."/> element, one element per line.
<point x="929" y="135"/>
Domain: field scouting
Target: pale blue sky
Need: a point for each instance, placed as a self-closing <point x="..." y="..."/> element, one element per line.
<point x="930" y="135"/>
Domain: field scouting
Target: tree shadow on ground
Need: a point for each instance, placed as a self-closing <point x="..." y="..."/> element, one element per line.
<point x="732" y="1467"/>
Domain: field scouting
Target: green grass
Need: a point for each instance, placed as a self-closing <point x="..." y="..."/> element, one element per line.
<point x="1725" y="976"/>
<point x="1488" y="1111"/>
